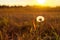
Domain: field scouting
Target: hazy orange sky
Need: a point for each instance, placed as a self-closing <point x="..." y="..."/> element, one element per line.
<point x="29" y="2"/>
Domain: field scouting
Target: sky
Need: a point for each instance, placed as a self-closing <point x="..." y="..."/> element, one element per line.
<point x="29" y="2"/>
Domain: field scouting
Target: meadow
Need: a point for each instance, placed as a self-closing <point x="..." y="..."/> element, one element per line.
<point x="17" y="23"/>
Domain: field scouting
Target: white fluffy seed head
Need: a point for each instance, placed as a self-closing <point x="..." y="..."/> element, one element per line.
<point x="40" y="19"/>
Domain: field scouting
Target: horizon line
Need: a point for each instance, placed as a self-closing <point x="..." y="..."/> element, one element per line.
<point x="29" y="5"/>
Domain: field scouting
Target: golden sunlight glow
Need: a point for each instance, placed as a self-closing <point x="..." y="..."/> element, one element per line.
<point x="41" y="1"/>
<point x="50" y="3"/>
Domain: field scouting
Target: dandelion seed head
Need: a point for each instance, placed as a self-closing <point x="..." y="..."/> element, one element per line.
<point x="40" y="19"/>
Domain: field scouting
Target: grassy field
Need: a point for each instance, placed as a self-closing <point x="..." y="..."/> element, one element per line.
<point x="18" y="24"/>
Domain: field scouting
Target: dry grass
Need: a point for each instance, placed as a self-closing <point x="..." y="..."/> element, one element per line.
<point x="31" y="31"/>
<point x="18" y="25"/>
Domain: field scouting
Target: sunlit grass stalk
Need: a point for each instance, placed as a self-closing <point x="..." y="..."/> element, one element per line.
<point x="34" y="25"/>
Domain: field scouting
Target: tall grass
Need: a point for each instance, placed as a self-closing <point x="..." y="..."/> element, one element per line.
<point x="32" y="31"/>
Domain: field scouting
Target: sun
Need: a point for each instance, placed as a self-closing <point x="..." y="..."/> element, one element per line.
<point x="41" y="1"/>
